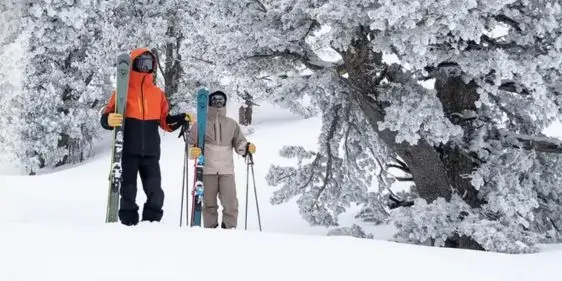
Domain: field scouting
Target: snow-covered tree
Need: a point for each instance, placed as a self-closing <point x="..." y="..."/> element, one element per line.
<point x="51" y="120"/>
<point x="484" y="176"/>
<point x="472" y="145"/>
<point x="69" y="69"/>
<point x="501" y="92"/>
<point x="12" y="43"/>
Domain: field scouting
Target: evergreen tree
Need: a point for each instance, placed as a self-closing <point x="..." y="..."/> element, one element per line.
<point x="472" y="144"/>
<point x="51" y="121"/>
<point x="483" y="174"/>
<point x="13" y="40"/>
<point x="68" y="71"/>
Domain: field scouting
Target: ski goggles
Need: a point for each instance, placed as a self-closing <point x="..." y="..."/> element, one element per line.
<point x="143" y="63"/>
<point x="217" y="101"/>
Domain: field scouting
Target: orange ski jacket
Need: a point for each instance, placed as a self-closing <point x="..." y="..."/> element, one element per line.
<point x="147" y="109"/>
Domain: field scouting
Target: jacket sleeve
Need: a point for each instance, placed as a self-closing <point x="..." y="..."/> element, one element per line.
<point x="239" y="141"/>
<point x="164" y="109"/>
<point x="110" y="107"/>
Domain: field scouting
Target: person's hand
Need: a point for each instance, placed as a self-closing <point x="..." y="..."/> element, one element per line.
<point x="115" y="119"/>
<point x="188" y="117"/>
<point x="194" y="152"/>
<point x="251" y="148"/>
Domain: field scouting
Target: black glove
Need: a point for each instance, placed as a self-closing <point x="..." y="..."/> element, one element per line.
<point x="176" y="121"/>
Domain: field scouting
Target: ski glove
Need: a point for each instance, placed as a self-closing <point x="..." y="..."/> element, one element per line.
<point x="194" y="152"/>
<point x="189" y="117"/>
<point x="176" y="121"/>
<point x="114" y="119"/>
<point x="250" y="148"/>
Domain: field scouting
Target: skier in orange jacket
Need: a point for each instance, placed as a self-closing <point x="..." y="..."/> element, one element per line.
<point x="147" y="109"/>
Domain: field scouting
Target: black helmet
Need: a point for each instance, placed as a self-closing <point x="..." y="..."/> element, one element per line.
<point x="144" y="63"/>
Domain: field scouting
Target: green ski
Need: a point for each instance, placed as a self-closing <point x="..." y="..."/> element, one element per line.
<point x="123" y="71"/>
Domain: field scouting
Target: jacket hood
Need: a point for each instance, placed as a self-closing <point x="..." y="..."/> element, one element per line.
<point x="219" y="92"/>
<point x="137" y="78"/>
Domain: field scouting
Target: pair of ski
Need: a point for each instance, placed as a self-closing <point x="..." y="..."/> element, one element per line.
<point x="115" y="176"/>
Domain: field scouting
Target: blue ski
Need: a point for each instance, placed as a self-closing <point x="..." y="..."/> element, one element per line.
<point x="198" y="187"/>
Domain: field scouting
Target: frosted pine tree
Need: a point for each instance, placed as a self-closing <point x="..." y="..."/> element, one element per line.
<point x="502" y="91"/>
<point x="473" y="145"/>
<point x="70" y="70"/>
<point x="12" y="41"/>
<point x="53" y="122"/>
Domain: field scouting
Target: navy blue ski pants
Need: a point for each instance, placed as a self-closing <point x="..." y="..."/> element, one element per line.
<point x="149" y="169"/>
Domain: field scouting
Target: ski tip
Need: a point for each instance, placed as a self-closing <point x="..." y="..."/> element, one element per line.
<point x="203" y="90"/>
<point x="124" y="56"/>
<point x="123" y="61"/>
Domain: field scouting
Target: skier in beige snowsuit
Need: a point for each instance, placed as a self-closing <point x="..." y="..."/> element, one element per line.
<point x="223" y="136"/>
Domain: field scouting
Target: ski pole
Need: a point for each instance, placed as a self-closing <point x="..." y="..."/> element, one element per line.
<point x="183" y="187"/>
<point x="255" y="190"/>
<point x="250" y="164"/>
<point x="247" y="185"/>
<point x="185" y="175"/>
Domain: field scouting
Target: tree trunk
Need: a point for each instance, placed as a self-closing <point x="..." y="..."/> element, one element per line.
<point x="457" y="97"/>
<point x="429" y="173"/>
<point x="173" y="68"/>
<point x="436" y="172"/>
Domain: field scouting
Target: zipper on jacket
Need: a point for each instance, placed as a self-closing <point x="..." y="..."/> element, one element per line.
<point x="142" y="97"/>
<point x="220" y="131"/>
<point x="143" y="118"/>
<point x="217" y="122"/>
<point x="215" y="131"/>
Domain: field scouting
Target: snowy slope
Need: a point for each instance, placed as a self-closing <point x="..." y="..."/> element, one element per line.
<point x="53" y="229"/>
<point x="46" y="251"/>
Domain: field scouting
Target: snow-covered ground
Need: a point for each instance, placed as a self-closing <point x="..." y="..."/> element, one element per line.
<point x="52" y="228"/>
<point x="64" y="251"/>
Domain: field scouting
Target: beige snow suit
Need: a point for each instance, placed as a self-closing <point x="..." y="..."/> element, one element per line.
<point x="223" y="135"/>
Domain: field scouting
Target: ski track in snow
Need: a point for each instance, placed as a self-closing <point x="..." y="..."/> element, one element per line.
<point x="53" y="229"/>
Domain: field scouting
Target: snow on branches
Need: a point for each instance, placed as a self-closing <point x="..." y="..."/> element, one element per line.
<point x="473" y="145"/>
<point x="493" y="93"/>
<point x="415" y="113"/>
<point x="52" y="121"/>
<point x="327" y="182"/>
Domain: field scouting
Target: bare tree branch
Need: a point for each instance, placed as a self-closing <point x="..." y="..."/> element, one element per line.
<point x="509" y="21"/>
<point x="313" y="25"/>
<point x="305" y="54"/>
<point x="203" y="60"/>
<point x="399" y="167"/>
<point x="262" y="6"/>
<point x="514" y="87"/>
<point x="402" y="165"/>
<point x="312" y="63"/>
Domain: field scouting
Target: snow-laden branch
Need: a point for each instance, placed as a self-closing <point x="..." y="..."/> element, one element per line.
<point x="308" y="58"/>
<point x="536" y="143"/>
